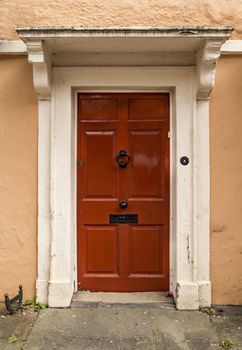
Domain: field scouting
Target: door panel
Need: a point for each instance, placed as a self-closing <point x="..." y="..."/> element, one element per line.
<point x="145" y="250"/>
<point x="100" y="175"/>
<point x="99" y="109"/>
<point x="148" y="108"/>
<point x="102" y="252"/>
<point x="123" y="257"/>
<point x="145" y="150"/>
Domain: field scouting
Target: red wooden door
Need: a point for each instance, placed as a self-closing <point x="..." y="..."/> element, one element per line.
<point x="123" y="256"/>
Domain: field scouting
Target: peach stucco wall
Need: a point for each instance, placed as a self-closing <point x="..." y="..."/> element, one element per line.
<point x="226" y="182"/>
<point x="18" y="177"/>
<point x="118" y="13"/>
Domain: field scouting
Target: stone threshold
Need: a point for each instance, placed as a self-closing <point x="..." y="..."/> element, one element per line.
<point x="84" y="299"/>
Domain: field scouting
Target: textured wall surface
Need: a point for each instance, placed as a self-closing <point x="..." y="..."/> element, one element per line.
<point x="118" y="13"/>
<point x="226" y="182"/>
<point x="18" y="177"/>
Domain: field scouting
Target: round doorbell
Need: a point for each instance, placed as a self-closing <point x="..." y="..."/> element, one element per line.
<point x="184" y="160"/>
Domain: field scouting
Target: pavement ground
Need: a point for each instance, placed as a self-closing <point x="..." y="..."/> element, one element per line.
<point x="116" y="326"/>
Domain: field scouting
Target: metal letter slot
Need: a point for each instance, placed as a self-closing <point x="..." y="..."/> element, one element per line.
<point x="123" y="218"/>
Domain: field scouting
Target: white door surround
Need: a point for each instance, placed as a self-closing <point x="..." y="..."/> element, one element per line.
<point x="192" y="53"/>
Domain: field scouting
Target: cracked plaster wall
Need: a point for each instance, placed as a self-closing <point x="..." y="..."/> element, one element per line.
<point x="118" y="13"/>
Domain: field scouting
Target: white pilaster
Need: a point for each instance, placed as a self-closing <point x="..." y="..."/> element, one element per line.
<point x="203" y="204"/>
<point x="61" y="285"/>
<point x="38" y="56"/>
<point x="206" y="65"/>
<point x="186" y="293"/>
<point x="193" y="289"/>
<point x="43" y="200"/>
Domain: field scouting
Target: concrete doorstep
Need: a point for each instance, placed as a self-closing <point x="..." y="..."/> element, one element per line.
<point x="128" y="326"/>
<point x="139" y="299"/>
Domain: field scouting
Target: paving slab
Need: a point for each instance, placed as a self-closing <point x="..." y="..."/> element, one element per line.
<point x="228" y="323"/>
<point x="17" y="325"/>
<point x="126" y="328"/>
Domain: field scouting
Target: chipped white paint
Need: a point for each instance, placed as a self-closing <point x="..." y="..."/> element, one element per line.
<point x="189" y="89"/>
<point x="123" y="31"/>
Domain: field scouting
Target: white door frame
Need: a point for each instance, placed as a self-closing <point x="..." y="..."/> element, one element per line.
<point x="179" y="81"/>
<point x="190" y="88"/>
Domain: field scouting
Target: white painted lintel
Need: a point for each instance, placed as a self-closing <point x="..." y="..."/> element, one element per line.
<point x="232" y="47"/>
<point x="9" y="47"/>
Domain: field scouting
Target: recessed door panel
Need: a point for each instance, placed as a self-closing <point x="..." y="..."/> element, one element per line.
<point x="98" y="109"/>
<point x="100" y="174"/>
<point x="146" y="172"/>
<point x="123" y="192"/>
<point x="102" y="249"/>
<point x="148" y="108"/>
<point x="145" y="249"/>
